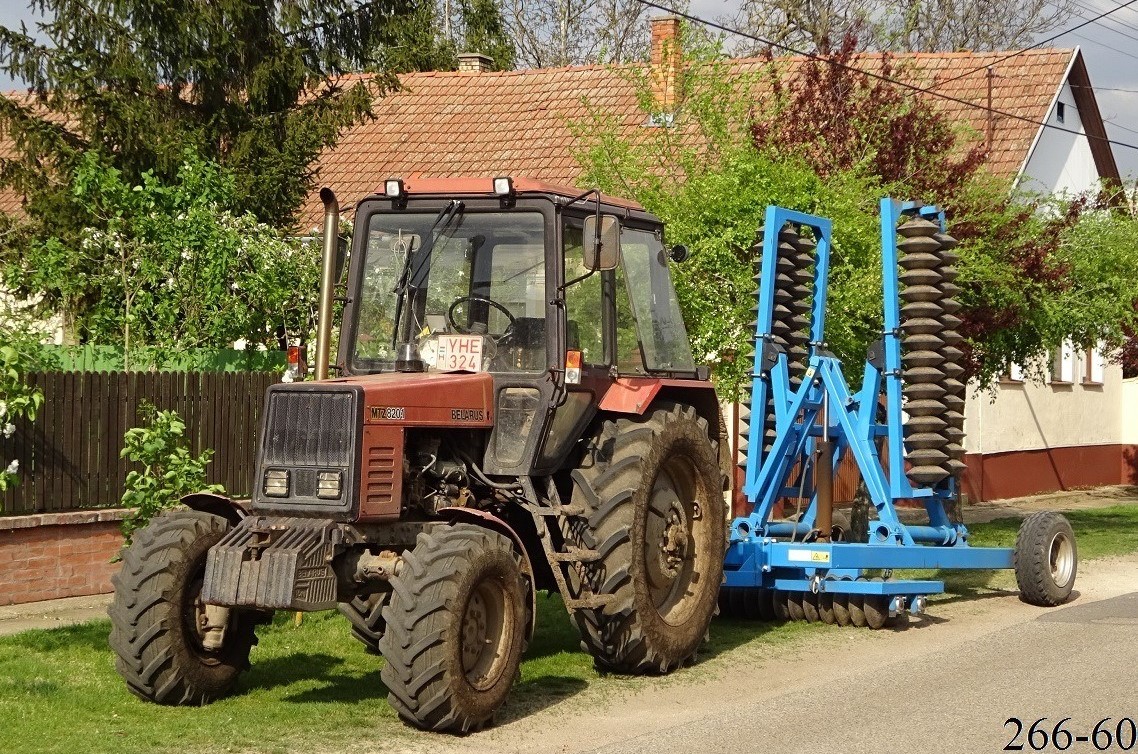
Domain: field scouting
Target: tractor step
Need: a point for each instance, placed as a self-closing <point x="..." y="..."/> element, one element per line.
<point x="589" y="602"/>
<point x="575" y="555"/>
<point x="551" y="511"/>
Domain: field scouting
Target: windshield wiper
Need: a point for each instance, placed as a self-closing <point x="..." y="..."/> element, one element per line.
<point x="410" y="283"/>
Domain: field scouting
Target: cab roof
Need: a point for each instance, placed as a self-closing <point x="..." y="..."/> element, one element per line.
<point x="485" y="187"/>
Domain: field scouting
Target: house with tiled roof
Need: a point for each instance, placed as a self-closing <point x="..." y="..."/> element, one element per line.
<point x="474" y="122"/>
<point x="479" y="122"/>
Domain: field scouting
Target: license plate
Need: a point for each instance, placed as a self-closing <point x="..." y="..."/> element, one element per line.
<point x="459" y="353"/>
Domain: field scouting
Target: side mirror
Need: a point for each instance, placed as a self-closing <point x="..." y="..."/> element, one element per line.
<point x="679" y="253"/>
<point x="341" y="258"/>
<point x="606" y="256"/>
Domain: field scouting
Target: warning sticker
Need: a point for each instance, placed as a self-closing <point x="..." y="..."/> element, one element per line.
<point x="808" y="556"/>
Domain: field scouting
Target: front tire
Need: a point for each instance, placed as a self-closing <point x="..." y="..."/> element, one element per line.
<point x="655" y="513"/>
<point x="157" y="612"/>
<point x="456" y="625"/>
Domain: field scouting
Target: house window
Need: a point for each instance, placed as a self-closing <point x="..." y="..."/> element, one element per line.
<point x="1094" y="372"/>
<point x="1013" y="374"/>
<point x="1060" y="111"/>
<point x="1063" y="365"/>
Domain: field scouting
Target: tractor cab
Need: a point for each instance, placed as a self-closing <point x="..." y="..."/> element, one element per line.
<point x="508" y="277"/>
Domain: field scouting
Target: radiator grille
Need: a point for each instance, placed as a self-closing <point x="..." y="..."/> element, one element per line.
<point x="310" y="428"/>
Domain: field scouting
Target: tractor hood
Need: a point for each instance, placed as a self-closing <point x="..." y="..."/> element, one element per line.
<point x="426" y="399"/>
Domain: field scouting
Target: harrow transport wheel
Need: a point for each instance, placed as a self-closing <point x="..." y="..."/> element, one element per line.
<point x="158" y="618"/>
<point x="365" y="613"/>
<point x="654" y="511"/>
<point x="456" y="625"/>
<point x="1045" y="559"/>
<point x="856" y="606"/>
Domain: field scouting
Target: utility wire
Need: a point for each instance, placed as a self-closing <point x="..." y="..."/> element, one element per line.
<point x="1105" y="45"/>
<point x="1047" y="41"/>
<point x="1111" y="29"/>
<point x="880" y="77"/>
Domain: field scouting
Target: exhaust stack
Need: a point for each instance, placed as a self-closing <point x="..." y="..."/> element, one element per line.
<point x="327" y="280"/>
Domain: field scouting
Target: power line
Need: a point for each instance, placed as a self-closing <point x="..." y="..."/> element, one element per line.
<point x="1116" y="125"/>
<point x="878" y="76"/>
<point x="1104" y="44"/>
<point x="1120" y="22"/>
<point x="1110" y="29"/>
<point x="1102" y="88"/>
<point x="1047" y="41"/>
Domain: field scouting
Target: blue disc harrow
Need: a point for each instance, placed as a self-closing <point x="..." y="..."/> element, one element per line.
<point x="903" y="427"/>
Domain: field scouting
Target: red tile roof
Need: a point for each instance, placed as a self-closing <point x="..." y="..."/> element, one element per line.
<point x="518" y="122"/>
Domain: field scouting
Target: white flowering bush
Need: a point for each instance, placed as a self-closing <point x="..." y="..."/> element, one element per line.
<point x="169" y="266"/>
<point x="17" y="400"/>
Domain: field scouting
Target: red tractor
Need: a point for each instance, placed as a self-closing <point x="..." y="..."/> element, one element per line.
<point x="517" y="409"/>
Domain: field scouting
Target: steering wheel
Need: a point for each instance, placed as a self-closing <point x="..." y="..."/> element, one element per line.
<point x="485" y="300"/>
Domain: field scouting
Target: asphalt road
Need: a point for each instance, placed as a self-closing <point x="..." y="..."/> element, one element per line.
<point x="946" y="683"/>
<point x="1080" y="662"/>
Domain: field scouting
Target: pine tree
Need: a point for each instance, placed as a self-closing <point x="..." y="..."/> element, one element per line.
<point x="257" y="86"/>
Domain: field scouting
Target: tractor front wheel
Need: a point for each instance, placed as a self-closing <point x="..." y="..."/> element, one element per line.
<point x="654" y="512"/>
<point x="456" y="625"/>
<point x="159" y="624"/>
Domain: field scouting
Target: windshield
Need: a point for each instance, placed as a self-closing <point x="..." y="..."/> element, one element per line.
<point x="484" y="276"/>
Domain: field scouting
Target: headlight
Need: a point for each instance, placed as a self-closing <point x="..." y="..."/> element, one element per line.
<point x="328" y="485"/>
<point x="276" y="483"/>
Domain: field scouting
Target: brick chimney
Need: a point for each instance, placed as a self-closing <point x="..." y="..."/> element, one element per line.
<point x="474" y="62"/>
<point x="665" y="59"/>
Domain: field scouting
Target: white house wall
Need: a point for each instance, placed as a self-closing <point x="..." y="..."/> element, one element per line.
<point x="1031" y="416"/>
<point x="1061" y="163"/>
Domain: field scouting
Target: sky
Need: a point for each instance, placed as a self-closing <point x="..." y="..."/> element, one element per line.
<point x="1110" y="48"/>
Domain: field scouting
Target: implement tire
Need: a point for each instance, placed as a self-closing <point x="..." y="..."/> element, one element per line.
<point x="651" y="490"/>
<point x="1045" y="559"/>
<point x="456" y="625"/>
<point x="156" y="610"/>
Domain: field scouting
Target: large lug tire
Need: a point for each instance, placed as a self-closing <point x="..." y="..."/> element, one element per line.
<point x="365" y="613"/>
<point x="157" y="614"/>
<point x="1046" y="559"/>
<point x="456" y="626"/>
<point x="654" y="511"/>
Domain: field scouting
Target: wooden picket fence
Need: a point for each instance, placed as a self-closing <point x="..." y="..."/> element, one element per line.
<point x="69" y="456"/>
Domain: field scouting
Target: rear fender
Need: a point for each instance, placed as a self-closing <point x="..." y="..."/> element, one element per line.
<point x="637" y="395"/>
<point x="490" y="521"/>
<point x="218" y="505"/>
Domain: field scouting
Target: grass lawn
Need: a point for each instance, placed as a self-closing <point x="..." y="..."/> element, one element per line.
<point x="313" y="685"/>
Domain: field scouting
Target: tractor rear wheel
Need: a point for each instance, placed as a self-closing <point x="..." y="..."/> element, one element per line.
<point x="158" y="618"/>
<point x="651" y="490"/>
<point x="456" y="628"/>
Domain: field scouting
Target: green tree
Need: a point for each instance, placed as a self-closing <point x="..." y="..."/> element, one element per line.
<point x="253" y="85"/>
<point x="165" y="265"/>
<point x="1034" y="272"/>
